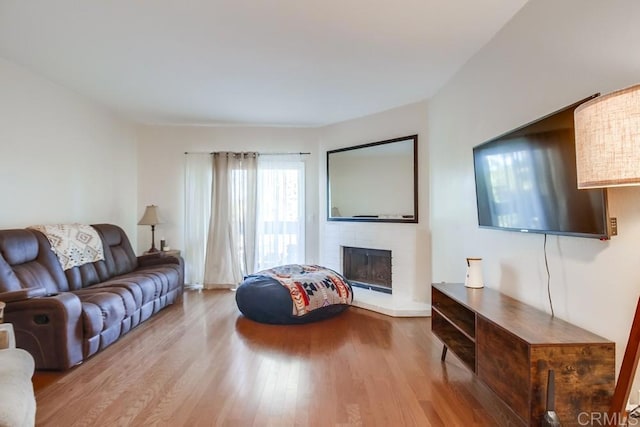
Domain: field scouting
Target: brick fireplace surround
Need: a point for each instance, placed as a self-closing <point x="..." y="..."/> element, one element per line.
<point x="409" y="292"/>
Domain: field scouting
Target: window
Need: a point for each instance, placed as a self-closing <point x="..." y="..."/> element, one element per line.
<point x="278" y="235"/>
<point x="280" y="221"/>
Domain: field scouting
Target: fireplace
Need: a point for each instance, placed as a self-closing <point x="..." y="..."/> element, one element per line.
<point x="367" y="268"/>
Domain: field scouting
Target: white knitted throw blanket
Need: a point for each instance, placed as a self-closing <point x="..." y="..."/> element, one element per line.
<point x="73" y="244"/>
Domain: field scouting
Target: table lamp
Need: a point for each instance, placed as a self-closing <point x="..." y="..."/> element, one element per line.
<point x="150" y="217"/>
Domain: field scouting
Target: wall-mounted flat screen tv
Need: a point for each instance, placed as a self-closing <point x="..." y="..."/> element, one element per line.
<point x="526" y="181"/>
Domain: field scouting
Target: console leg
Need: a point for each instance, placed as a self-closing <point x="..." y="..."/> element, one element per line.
<point x="444" y="353"/>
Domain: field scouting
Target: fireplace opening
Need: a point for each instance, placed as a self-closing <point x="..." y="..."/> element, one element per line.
<point x="368" y="268"/>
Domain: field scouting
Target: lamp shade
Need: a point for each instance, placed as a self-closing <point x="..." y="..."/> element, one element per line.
<point x="150" y="216"/>
<point x="608" y="140"/>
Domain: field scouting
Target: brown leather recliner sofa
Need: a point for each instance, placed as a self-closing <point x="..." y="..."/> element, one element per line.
<point x="62" y="317"/>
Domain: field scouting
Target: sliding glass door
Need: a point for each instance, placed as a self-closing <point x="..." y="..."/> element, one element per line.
<point x="280" y="224"/>
<point x="280" y="216"/>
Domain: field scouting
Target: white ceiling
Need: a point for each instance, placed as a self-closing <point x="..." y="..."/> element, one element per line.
<point x="260" y="62"/>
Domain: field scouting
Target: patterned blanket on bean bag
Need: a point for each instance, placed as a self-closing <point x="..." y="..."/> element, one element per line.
<point x="311" y="286"/>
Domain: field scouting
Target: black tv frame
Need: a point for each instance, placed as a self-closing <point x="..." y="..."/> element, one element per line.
<point x="607" y="232"/>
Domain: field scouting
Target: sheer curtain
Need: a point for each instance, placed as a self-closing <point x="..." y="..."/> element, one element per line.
<point x="231" y="238"/>
<point x="197" y="211"/>
<point x="280" y="222"/>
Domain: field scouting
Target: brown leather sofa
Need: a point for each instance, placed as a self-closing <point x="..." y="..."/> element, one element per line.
<point x="64" y="317"/>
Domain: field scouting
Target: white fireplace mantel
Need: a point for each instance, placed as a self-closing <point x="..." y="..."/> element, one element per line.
<point x="400" y="239"/>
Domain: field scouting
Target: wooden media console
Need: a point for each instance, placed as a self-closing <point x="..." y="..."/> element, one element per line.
<point x="511" y="346"/>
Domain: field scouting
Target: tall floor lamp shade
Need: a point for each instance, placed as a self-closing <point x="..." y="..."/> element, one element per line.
<point x="608" y="140"/>
<point x="608" y="155"/>
<point x="150" y="217"/>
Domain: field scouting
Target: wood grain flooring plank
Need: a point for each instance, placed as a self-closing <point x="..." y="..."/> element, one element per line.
<point x="200" y="363"/>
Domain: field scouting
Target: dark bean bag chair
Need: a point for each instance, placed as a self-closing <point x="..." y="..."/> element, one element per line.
<point x="293" y="294"/>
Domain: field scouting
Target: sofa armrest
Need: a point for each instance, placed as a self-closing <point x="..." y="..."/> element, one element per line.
<point x="150" y="261"/>
<point x="50" y="328"/>
<point x="158" y="259"/>
<point x="22" y="294"/>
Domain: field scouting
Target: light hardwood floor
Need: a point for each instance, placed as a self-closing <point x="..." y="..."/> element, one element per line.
<point x="200" y="363"/>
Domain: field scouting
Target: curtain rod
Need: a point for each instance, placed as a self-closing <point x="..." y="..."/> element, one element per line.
<point x="260" y="154"/>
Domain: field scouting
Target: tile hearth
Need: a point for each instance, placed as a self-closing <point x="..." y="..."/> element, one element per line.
<point x="387" y="304"/>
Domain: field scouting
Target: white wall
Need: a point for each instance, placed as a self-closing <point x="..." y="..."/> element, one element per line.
<point x="551" y="54"/>
<point x="161" y="171"/>
<point x="410" y="243"/>
<point x="62" y="158"/>
<point x="161" y="180"/>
